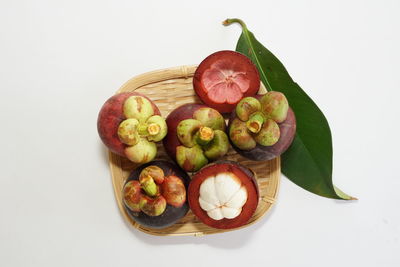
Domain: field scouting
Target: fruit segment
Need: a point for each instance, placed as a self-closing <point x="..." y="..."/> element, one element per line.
<point x="222" y="196"/>
<point x="238" y="199"/>
<point x="208" y="193"/>
<point x="226" y="185"/>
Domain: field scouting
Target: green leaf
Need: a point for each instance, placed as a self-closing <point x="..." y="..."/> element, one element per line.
<point x="308" y="161"/>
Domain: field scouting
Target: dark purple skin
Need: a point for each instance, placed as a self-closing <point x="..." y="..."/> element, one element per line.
<point x="171" y="214"/>
<point x="261" y="153"/>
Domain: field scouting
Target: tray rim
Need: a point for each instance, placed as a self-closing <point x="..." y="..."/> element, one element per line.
<point x="184" y="71"/>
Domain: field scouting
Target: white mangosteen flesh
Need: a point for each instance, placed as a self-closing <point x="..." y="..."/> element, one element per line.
<point x="222" y="196"/>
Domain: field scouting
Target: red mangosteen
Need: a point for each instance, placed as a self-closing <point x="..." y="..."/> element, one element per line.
<point x="196" y="135"/>
<point x="129" y="124"/>
<point x="155" y="194"/>
<point x="223" y="195"/>
<point x="262" y="127"/>
<point x="225" y="77"/>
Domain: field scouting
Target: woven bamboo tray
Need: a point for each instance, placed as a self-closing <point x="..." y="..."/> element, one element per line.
<point x="170" y="88"/>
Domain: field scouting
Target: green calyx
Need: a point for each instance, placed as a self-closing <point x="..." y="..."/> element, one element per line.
<point x="246" y="107"/>
<point x="240" y="136"/>
<point x="145" y="195"/>
<point x="187" y="130"/>
<point x="138" y="107"/>
<point x="202" y="138"/>
<point x="257" y="121"/>
<point x="210" y="117"/>
<point x="131" y="195"/>
<point x="154" y="172"/>
<point x="142" y="152"/>
<point x="218" y="147"/>
<point x="154" y="129"/>
<point x="269" y="133"/>
<point x="127" y="132"/>
<point x="191" y="159"/>
<point x="140" y="129"/>
<point x="274" y="106"/>
<point x="152" y="206"/>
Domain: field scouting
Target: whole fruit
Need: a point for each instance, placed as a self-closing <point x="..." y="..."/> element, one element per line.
<point x="196" y="135"/>
<point x="225" y="77"/>
<point x="129" y="124"/>
<point x="155" y="194"/>
<point x="262" y="127"/>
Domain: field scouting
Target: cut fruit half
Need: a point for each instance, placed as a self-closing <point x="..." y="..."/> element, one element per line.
<point x="223" y="195"/>
<point x="224" y="78"/>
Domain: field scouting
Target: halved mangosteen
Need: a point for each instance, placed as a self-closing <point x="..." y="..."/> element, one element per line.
<point x="155" y="194"/>
<point x="262" y="127"/>
<point x="223" y="195"/>
<point x="129" y="124"/>
<point x="225" y="77"/>
<point x="196" y="135"/>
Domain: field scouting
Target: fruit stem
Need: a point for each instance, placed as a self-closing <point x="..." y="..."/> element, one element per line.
<point x="255" y="122"/>
<point x="204" y="135"/>
<point x="143" y="129"/>
<point x="148" y="185"/>
<point x="153" y="129"/>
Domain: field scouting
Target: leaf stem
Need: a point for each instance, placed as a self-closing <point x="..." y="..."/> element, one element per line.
<point x="247" y="38"/>
<point x="228" y="22"/>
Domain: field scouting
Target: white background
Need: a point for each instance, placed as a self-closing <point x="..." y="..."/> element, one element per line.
<point x="60" y="60"/>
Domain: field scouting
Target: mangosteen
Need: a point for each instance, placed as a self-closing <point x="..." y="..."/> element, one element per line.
<point x="155" y="195"/>
<point x="262" y="127"/>
<point x="129" y="124"/>
<point x="225" y="77"/>
<point x="196" y="135"/>
<point x="223" y="195"/>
